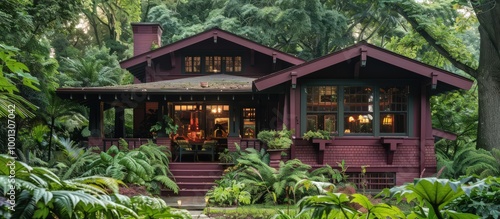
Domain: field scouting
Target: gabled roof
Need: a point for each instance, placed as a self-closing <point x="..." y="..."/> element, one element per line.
<point x="212" y="33"/>
<point x="371" y="51"/>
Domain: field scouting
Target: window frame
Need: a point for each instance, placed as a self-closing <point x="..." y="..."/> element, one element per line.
<point x="373" y="84"/>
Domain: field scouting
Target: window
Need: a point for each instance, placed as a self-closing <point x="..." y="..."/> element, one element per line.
<point x="322" y="108"/>
<point x="393" y="109"/>
<point x="357" y="110"/>
<point x="248" y="123"/>
<point x="192" y="64"/>
<point x="233" y="64"/>
<point x="213" y="64"/>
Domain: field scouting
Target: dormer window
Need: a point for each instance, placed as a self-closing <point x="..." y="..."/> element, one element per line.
<point x="213" y="64"/>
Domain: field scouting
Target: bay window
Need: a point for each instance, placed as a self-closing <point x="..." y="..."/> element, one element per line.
<point x="357" y="110"/>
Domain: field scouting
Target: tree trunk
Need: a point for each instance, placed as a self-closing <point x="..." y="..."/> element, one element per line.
<point x="488" y="78"/>
<point x="489" y="95"/>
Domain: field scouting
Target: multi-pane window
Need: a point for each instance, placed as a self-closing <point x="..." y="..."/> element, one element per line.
<point x="393" y="109"/>
<point x="248" y="123"/>
<point x="192" y="64"/>
<point x="213" y="64"/>
<point x="322" y="108"/>
<point x="357" y="109"/>
<point x="233" y="63"/>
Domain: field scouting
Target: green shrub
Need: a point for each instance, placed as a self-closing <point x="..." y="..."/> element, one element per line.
<point x="483" y="200"/>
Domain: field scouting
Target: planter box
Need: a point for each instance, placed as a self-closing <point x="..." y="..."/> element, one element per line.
<point x="275" y="157"/>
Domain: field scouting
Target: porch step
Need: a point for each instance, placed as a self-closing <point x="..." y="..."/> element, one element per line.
<point x="194" y="179"/>
<point x="196" y="185"/>
<point x="197" y="178"/>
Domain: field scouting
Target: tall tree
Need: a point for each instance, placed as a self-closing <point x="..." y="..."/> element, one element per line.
<point x="435" y="22"/>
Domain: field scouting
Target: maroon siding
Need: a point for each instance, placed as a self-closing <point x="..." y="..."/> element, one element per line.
<point x="370" y="151"/>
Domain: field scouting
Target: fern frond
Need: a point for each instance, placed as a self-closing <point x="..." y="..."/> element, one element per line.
<point x="167" y="182"/>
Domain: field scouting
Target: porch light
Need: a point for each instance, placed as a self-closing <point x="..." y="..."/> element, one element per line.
<point x="387" y="120"/>
<point x="179" y="203"/>
<point x="347" y="131"/>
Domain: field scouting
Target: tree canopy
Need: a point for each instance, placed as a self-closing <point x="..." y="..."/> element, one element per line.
<point x="79" y="43"/>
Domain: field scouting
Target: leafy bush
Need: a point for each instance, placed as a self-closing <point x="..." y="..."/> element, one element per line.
<point x="432" y="196"/>
<point x="319" y="134"/>
<point x="229" y="194"/>
<point x="483" y="200"/>
<point x="274" y="139"/>
<point x="147" y="165"/>
<point x="39" y="193"/>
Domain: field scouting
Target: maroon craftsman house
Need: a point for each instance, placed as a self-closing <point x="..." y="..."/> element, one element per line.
<point x="375" y="103"/>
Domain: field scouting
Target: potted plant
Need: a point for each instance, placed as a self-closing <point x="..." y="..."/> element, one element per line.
<point x="164" y="127"/>
<point x="277" y="142"/>
<point x="319" y="134"/>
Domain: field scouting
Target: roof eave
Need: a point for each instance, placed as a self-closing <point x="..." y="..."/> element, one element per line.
<point x="207" y="35"/>
<point x="383" y="55"/>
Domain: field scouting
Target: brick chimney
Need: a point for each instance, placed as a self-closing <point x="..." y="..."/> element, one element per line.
<point x="145" y="36"/>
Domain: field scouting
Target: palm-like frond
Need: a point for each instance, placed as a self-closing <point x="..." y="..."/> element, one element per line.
<point x="22" y="107"/>
<point x="167" y="182"/>
<point x="41" y="194"/>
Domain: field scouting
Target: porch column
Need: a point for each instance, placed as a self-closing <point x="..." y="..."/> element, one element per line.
<point x="95" y="119"/>
<point x="95" y="124"/>
<point x="119" y="122"/>
<point x="162" y="110"/>
<point x="293" y="105"/>
<point x="423" y="120"/>
<point x="234" y="119"/>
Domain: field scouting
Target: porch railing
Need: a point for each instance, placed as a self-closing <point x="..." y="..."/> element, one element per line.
<point x="132" y="142"/>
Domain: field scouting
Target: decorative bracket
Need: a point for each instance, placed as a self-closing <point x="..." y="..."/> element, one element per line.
<point x="148" y="60"/>
<point x="363" y="57"/>
<point x="172" y="59"/>
<point x="391" y="145"/>
<point x="321" y="148"/>
<point x="434" y="80"/>
<point x="293" y="74"/>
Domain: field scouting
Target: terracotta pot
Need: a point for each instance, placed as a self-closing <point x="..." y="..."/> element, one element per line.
<point x="204" y="84"/>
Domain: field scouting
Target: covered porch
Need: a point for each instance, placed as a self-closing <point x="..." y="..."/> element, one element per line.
<point x="221" y="108"/>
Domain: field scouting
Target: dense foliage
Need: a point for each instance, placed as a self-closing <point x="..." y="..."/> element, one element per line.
<point x="37" y="192"/>
<point x="251" y="179"/>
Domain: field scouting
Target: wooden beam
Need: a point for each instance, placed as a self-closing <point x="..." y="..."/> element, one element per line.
<point x="423" y="122"/>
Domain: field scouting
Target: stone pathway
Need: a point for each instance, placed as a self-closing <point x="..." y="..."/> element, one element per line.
<point x="194" y="204"/>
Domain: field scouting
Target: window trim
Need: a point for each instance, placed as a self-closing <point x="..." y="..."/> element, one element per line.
<point x="374" y="84"/>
